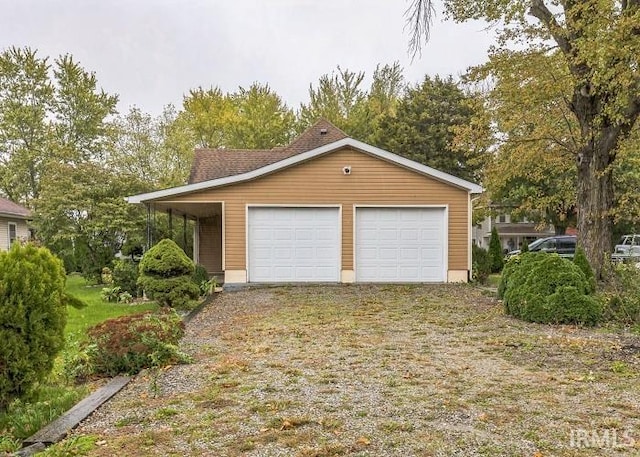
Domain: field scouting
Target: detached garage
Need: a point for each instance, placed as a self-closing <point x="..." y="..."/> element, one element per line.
<point x="326" y="208"/>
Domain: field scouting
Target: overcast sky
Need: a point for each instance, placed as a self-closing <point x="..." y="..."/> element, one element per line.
<point x="151" y="52"/>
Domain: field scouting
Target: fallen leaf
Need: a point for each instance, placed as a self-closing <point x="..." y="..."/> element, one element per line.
<point x="363" y="441"/>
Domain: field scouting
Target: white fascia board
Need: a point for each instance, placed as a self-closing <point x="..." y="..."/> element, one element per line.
<point x="410" y="164"/>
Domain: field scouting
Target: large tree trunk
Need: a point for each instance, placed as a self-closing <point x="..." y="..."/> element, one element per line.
<point x="595" y="200"/>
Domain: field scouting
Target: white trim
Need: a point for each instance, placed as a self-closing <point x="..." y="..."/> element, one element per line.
<point x="291" y="205"/>
<point x="445" y="253"/>
<point x="345" y="142"/>
<point x="224" y="237"/>
<point x="457" y="276"/>
<point x="470" y="238"/>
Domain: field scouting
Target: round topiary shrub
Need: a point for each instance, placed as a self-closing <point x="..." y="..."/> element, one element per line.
<point x="33" y="315"/>
<point x="546" y="288"/>
<point x="166" y="275"/>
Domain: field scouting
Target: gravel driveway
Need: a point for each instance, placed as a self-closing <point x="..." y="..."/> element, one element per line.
<point x="380" y="371"/>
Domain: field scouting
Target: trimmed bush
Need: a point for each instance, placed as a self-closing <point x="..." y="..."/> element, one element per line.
<point x="546" y="288"/>
<point x="33" y="315"/>
<point x="131" y="343"/>
<point x="481" y="263"/>
<point x="166" y="276"/>
<point x="125" y="275"/>
<point x="495" y="252"/>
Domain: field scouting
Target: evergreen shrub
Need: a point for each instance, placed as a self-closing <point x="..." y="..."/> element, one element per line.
<point x="33" y="315"/>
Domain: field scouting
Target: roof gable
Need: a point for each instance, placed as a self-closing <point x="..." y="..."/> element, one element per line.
<point x="9" y="208"/>
<point x="308" y="155"/>
<point x="209" y="164"/>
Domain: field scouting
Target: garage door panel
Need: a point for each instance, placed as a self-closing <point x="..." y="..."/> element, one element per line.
<point x="293" y="244"/>
<point x="400" y="244"/>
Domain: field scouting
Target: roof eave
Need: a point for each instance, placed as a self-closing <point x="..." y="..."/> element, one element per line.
<point x="15" y="216"/>
<point x="304" y="156"/>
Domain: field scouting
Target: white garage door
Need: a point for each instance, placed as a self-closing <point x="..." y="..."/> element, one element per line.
<point x="294" y="244"/>
<point x="400" y="244"/>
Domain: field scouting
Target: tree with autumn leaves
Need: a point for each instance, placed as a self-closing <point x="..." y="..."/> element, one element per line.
<point x="575" y="63"/>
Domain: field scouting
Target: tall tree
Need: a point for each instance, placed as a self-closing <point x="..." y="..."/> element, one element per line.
<point x="207" y="114"/>
<point x="531" y="169"/>
<point x="157" y="152"/>
<point x="26" y="99"/>
<point x="83" y="217"/>
<point x="598" y="43"/>
<point x="263" y="119"/>
<point x="422" y="127"/>
<point x="341" y="98"/>
<point x="47" y="116"/>
<point x="253" y="118"/>
<point x="82" y="113"/>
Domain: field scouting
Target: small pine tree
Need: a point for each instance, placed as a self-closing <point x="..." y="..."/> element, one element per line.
<point x="580" y="259"/>
<point x="33" y="315"/>
<point x="495" y="252"/>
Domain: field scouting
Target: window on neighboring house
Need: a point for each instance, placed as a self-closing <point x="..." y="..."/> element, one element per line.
<point x="13" y="232"/>
<point x="502" y="218"/>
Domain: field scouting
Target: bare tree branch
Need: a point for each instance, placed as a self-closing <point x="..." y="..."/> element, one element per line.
<point x="419" y="17"/>
<point x="540" y="11"/>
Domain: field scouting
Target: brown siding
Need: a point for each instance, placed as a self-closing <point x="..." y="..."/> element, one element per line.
<point x="321" y="181"/>
<point x="210" y="236"/>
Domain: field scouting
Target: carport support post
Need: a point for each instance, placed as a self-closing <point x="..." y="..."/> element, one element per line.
<point x="184" y="232"/>
<point x="148" y="227"/>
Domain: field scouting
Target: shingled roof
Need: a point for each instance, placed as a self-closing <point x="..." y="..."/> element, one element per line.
<point x="8" y="208"/>
<point x="211" y="164"/>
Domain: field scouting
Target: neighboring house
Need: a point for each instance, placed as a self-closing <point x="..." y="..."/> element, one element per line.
<point x="512" y="234"/>
<point x="326" y="208"/>
<point x="13" y="223"/>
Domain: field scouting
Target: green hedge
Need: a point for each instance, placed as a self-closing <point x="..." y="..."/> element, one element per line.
<point x="545" y="288"/>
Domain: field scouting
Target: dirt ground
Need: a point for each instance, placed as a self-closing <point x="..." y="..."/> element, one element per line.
<point x="434" y="370"/>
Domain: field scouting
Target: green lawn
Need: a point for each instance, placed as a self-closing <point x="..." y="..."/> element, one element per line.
<point x="97" y="310"/>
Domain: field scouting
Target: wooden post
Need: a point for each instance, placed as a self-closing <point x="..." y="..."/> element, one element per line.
<point x="184" y="232"/>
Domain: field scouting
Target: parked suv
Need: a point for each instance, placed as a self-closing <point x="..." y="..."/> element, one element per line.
<point x="563" y="245"/>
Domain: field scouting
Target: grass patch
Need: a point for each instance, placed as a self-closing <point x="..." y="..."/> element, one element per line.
<point x="494" y="279"/>
<point x="97" y="310"/>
